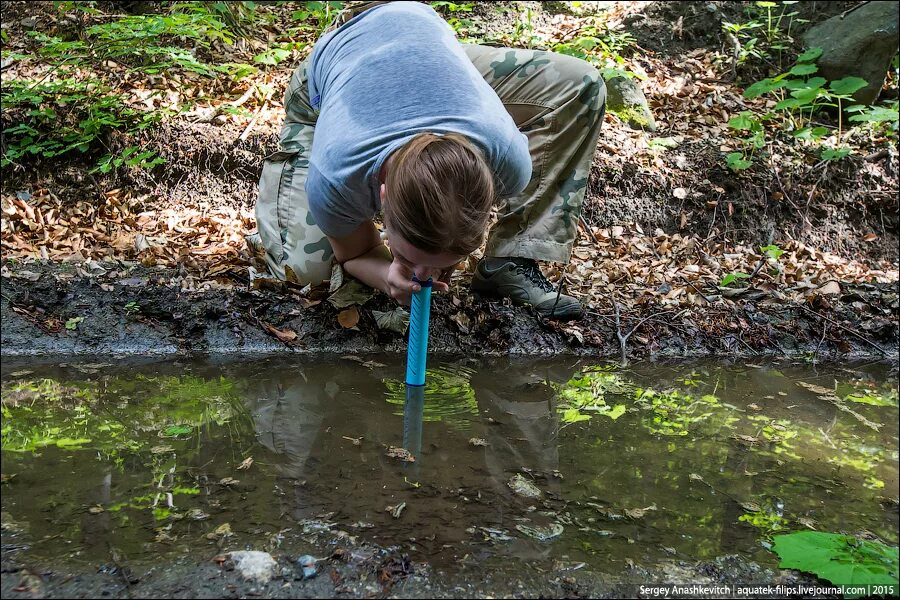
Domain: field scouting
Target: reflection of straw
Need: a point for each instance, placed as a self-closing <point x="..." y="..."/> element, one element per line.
<point x="413" y="410"/>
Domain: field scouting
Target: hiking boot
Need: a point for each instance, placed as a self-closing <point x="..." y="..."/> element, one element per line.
<point x="521" y="280"/>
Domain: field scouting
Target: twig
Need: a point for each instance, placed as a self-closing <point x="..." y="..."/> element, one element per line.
<point x="255" y="117"/>
<point x="847" y="329"/>
<point x="588" y="228"/>
<point x="822" y="339"/>
<point x="746" y="345"/>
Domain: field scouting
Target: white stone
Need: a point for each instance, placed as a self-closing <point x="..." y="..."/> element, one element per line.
<point x="254" y="565"/>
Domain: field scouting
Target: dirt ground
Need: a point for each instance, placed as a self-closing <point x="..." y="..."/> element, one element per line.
<point x="859" y="322"/>
<point x="371" y="572"/>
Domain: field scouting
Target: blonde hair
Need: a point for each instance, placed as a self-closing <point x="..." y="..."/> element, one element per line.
<point x="439" y="193"/>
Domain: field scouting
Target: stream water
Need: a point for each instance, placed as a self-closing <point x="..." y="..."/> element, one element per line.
<point x="554" y="462"/>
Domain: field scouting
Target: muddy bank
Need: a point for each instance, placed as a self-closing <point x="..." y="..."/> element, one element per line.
<point x="384" y="575"/>
<point x="53" y="308"/>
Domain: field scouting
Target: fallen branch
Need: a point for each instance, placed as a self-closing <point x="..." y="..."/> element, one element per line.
<point x="623" y="338"/>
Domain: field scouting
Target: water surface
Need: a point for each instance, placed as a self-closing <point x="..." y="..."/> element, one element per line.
<point x="687" y="461"/>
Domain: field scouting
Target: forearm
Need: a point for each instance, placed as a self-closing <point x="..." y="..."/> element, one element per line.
<point x="372" y="267"/>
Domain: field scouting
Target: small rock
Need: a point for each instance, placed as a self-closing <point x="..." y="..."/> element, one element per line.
<point x="254" y="565"/>
<point x="523" y="487"/>
<point x="625" y="99"/>
<point x="307" y="564"/>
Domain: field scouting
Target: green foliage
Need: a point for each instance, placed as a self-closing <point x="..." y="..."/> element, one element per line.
<point x="732" y="277"/>
<point x="765" y="520"/>
<point x="602" y="46"/>
<point x="772" y="251"/>
<point x="766" y="34"/>
<point x="72" y="324"/>
<point x="674" y="413"/>
<point x="129" y="157"/>
<point x="755" y="139"/>
<point x="44" y="412"/>
<point x="799" y="97"/>
<point x="277" y="53"/>
<point x="132" y="307"/>
<point x="56" y="117"/>
<point x="586" y="394"/>
<point x="840" y="559"/>
<point x="66" y="111"/>
<point x="321" y="13"/>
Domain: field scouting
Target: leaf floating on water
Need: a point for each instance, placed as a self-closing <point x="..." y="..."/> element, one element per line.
<point x="369" y="364"/>
<point x="400" y="453"/>
<point x="196" y="514"/>
<point x="638" y="513"/>
<point x="222" y="531"/>
<point x="355" y="441"/>
<point x="816" y="389"/>
<point x="396" y="509"/>
<point x="228" y="481"/>
<point x="695" y="477"/>
<point x="523" y="487"/>
<point x="829" y="396"/>
<point x="478" y="442"/>
<point x="348" y="318"/>
<point x="176" y="430"/>
<point x="161" y="449"/>
<point x="542" y="533"/>
<point x="245" y="464"/>
<point x="396" y="320"/>
<point x="96" y="510"/>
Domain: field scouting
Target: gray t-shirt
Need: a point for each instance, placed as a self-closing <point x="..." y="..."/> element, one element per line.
<point x="392" y="72"/>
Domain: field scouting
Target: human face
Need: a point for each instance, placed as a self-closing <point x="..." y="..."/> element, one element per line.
<point x="420" y="263"/>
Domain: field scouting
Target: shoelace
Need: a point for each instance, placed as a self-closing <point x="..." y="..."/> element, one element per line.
<point x="534" y="274"/>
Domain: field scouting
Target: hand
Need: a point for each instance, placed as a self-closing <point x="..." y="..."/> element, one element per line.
<point x="400" y="285"/>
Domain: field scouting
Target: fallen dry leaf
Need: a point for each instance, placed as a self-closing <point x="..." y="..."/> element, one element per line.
<point x="349" y="318"/>
<point x="285" y="335"/>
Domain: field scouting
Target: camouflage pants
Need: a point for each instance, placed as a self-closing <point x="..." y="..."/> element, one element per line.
<point x="558" y="101"/>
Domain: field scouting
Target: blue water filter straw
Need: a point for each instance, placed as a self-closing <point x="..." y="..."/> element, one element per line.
<point x="417" y="350"/>
<point x="416" y="354"/>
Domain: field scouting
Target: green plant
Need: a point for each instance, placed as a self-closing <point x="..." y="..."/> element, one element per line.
<point x="320" y="12"/>
<point x="755" y="140"/>
<point x="764" y="31"/>
<point x="129" y="157"/>
<point x="56" y="117"/>
<point x="132" y="307"/>
<point x="72" y="324"/>
<point x="772" y="251"/>
<point x="840" y="559"/>
<point x="602" y="46"/>
<point x="732" y="277"/>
